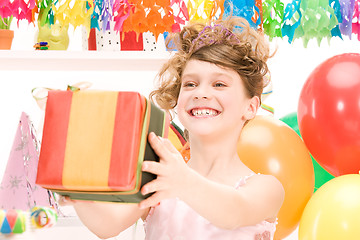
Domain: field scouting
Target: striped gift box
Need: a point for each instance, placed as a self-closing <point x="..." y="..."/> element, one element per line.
<point x="94" y="143"/>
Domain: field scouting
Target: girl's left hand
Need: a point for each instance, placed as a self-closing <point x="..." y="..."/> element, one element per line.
<point x="172" y="172"/>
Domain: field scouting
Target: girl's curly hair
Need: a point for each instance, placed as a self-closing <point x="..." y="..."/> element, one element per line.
<point x="229" y="43"/>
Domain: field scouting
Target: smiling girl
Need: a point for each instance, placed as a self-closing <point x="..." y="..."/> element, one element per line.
<point x="214" y="82"/>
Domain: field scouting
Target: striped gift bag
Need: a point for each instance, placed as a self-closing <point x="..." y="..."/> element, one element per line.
<point x="94" y="143"/>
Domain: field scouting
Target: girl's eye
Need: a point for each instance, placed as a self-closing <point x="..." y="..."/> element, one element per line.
<point x="219" y="84"/>
<point x="189" y="84"/>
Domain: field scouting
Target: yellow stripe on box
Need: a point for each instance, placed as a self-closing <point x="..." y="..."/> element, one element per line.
<point x="89" y="140"/>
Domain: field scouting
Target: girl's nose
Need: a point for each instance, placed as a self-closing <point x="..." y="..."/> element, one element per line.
<point x="203" y="97"/>
<point x="202" y="93"/>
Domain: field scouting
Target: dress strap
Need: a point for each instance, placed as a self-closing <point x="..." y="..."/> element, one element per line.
<point x="242" y="181"/>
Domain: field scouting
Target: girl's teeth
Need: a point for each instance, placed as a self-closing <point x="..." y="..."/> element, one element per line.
<point x="204" y="112"/>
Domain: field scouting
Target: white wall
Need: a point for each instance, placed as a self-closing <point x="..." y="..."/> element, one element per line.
<point x="290" y="68"/>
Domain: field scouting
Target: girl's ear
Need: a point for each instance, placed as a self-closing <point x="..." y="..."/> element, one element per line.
<point x="253" y="107"/>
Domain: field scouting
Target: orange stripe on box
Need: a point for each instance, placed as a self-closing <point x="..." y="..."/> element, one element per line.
<point x="89" y="140"/>
<point x="52" y="151"/>
<point x="126" y="141"/>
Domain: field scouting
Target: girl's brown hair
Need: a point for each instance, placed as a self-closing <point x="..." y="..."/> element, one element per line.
<point x="229" y="43"/>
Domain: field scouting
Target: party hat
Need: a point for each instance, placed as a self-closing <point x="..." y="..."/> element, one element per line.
<point x="18" y="189"/>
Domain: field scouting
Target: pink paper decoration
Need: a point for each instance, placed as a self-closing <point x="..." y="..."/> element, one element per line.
<point x="18" y="189"/>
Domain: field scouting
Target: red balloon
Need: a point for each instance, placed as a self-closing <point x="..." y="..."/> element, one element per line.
<point x="329" y="114"/>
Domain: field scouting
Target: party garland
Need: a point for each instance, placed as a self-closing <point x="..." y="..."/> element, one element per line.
<point x="299" y="19"/>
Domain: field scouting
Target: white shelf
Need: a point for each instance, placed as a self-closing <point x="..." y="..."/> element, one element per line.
<point x="82" y="60"/>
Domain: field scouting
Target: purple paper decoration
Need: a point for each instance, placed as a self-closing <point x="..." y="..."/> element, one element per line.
<point x="347" y="8"/>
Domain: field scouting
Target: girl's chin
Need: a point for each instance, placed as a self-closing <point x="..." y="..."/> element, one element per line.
<point x="203" y="131"/>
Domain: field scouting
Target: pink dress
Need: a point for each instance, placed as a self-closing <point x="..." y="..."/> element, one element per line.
<point x="173" y="219"/>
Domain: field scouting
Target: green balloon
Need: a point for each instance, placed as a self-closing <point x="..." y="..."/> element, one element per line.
<point x="321" y="175"/>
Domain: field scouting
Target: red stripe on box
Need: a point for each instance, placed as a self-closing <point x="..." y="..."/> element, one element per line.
<point x="126" y="141"/>
<point x="52" y="153"/>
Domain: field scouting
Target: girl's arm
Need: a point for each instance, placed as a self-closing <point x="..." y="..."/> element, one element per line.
<point x="224" y="206"/>
<point x="104" y="219"/>
<point x="260" y="199"/>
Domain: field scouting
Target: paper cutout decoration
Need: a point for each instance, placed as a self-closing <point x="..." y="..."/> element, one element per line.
<point x="97" y="15"/>
<point x="106" y="15"/>
<point x="181" y="17"/>
<point x="346" y="8"/>
<point x="5" y="9"/>
<point x="143" y="16"/>
<point x="18" y="189"/>
<point x="74" y="12"/>
<point x="292" y="19"/>
<point x="121" y="11"/>
<point x="335" y="32"/>
<point x="244" y="8"/>
<point x="356" y="20"/>
<point x="318" y="19"/>
<point x="205" y="10"/>
<point x="258" y="4"/>
<point x="273" y="18"/>
<point x="20" y="9"/>
<point x="103" y="133"/>
<point x="46" y="13"/>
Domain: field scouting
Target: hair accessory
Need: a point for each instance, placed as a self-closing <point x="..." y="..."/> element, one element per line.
<point x="221" y="35"/>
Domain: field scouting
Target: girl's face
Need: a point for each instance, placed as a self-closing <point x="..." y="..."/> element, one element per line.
<point x="213" y="99"/>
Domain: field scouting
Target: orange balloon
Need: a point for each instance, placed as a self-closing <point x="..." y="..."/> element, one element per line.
<point x="269" y="146"/>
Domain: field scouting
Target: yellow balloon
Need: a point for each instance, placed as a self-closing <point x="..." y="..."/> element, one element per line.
<point x="333" y="212"/>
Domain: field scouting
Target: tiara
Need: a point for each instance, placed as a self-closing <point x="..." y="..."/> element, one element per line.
<point x="204" y="39"/>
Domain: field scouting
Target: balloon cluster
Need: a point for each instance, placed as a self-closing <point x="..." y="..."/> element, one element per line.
<point x="328" y="114"/>
<point x="315" y="153"/>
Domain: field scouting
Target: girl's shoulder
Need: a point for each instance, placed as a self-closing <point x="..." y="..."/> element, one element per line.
<point x="258" y="179"/>
<point x="244" y="179"/>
